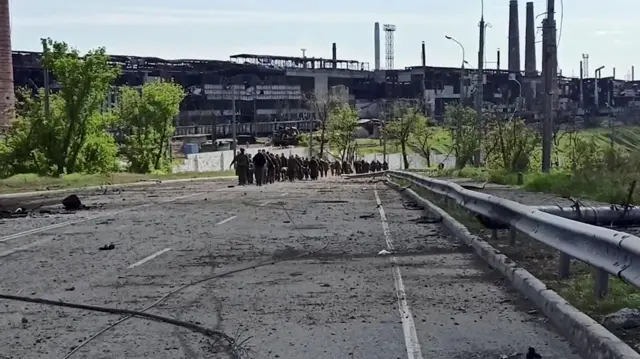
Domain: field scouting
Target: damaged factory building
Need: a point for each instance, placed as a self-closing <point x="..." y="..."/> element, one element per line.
<point x="264" y="89"/>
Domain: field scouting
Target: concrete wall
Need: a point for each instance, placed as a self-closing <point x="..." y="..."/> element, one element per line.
<point x="220" y="160"/>
<point x="415" y="161"/>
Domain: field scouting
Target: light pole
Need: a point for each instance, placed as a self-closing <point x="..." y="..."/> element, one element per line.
<point x="596" y="95"/>
<point x="233" y="119"/>
<point x="512" y="77"/>
<point x="462" y="92"/>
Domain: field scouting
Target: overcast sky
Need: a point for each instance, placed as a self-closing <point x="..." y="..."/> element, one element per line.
<point x="210" y="29"/>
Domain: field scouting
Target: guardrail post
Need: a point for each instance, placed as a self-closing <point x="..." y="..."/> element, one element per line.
<point x="513" y="233"/>
<point x="520" y="179"/>
<point x="494" y="234"/>
<point x="602" y="283"/>
<point x="564" y="266"/>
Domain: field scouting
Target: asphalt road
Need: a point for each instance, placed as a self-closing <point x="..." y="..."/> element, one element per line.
<point x="330" y="295"/>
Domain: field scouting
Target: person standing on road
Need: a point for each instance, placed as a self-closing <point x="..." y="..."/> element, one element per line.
<point x="292" y="168"/>
<point x="250" y="170"/>
<point x="259" y="161"/>
<point x="242" y="166"/>
<point x="314" y="168"/>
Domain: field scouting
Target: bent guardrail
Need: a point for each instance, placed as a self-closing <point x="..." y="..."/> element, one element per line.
<point x="610" y="252"/>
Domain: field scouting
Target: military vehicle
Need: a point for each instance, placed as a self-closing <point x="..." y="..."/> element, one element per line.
<point x="285" y="136"/>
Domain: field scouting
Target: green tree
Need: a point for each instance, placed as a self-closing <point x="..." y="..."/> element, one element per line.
<point x="403" y="123"/>
<point x="422" y="140"/>
<point x="51" y="133"/>
<point x="461" y="121"/>
<point x="147" y="116"/>
<point x="342" y="121"/>
<point x="322" y="108"/>
<point x="84" y="82"/>
<point x="510" y="144"/>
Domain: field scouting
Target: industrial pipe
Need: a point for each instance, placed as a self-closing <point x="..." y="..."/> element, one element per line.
<point x="611" y="216"/>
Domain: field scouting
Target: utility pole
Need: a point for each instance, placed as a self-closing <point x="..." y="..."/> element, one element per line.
<point x="47" y="85"/>
<point x="550" y="83"/>
<point x="233" y="119"/>
<point x="479" y="91"/>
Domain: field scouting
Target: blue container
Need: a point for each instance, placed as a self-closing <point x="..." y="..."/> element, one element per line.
<point x="190" y="148"/>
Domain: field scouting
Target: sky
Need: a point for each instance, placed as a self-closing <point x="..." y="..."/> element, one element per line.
<point x="216" y="29"/>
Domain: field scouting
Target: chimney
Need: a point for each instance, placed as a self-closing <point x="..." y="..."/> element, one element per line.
<point x="514" y="37"/>
<point x="6" y="71"/>
<point x="633" y="73"/>
<point x="334" y="55"/>
<point x="424" y="55"/>
<point x="376" y="45"/>
<point x="530" y="43"/>
<point x="498" y="60"/>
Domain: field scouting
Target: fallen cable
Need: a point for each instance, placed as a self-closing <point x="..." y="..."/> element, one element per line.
<point x="131" y="313"/>
<point x="200" y="281"/>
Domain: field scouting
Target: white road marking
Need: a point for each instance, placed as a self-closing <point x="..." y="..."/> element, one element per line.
<point x="69" y="223"/>
<point x="145" y="260"/>
<point x="226" y="220"/>
<point x="264" y="204"/>
<point x="284" y="194"/>
<point x="414" y="350"/>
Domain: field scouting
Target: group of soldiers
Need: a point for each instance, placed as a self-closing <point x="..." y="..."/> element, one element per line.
<point x="266" y="167"/>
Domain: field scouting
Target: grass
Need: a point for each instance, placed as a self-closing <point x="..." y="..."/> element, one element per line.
<point x="579" y="291"/>
<point x="441" y="143"/>
<point x="32" y="182"/>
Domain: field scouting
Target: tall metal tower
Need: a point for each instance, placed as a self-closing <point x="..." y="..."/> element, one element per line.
<point x="585" y="64"/>
<point x="389" y="31"/>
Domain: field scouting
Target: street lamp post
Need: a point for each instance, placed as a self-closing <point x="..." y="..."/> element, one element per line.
<point x="462" y="92"/>
<point x="519" y="100"/>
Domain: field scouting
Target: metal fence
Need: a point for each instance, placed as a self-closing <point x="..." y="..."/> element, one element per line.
<point x="610" y="252"/>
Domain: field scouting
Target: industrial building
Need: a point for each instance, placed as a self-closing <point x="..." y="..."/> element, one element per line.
<point x="269" y="88"/>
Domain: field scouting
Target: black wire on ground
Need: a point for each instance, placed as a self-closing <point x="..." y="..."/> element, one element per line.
<point x="194" y="283"/>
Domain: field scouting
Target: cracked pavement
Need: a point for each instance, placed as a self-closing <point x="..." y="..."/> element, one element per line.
<point x="330" y="295"/>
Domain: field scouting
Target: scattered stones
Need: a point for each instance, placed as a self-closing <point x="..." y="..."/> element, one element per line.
<point x="624" y="318"/>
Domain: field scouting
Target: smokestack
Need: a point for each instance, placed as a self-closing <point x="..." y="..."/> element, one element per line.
<point x="424" y="55"/>
<point x="498" y="60"/>
<point x="614" y="73"/>
<point x="376" y="45"/>
<point x="633" y="73"/>
<point x="530" y="42"/>
<point x="6" y="71"/>
<point x="514" y="37"/>
<point x="334" y="55"/>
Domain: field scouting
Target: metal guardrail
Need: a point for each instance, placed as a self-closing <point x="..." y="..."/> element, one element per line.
<point x="610" y="252"/>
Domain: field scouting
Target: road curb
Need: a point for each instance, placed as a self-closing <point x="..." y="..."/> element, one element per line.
<point x="26" y="195"/>
<point x="592" y="340"/>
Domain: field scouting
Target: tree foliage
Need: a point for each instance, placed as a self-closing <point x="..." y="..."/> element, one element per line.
<point x="403" y="124"/>
<point x="68" y="130"/>
<point x="65" y="138"/>
<point x="322" y="108"/>
<point x="422" y="140"/>
<point x="461" y="121"/>
<point x="342" y="121"/>
<point x="147" y="117"/>
<point x="510" y="144"/>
